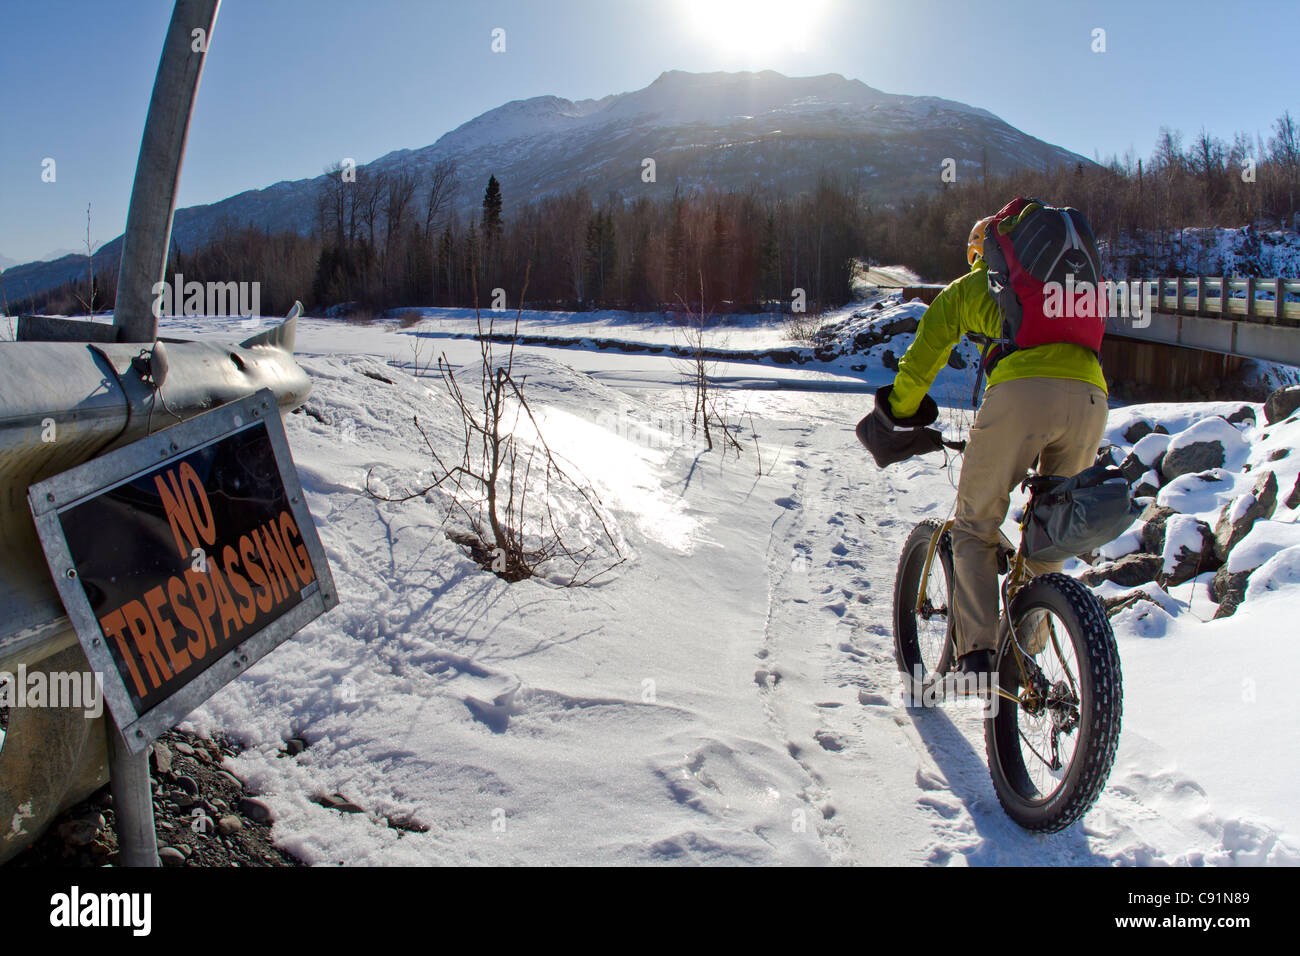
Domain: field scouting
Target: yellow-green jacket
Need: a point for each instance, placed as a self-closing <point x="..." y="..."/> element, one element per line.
<point x="963" y="307"/>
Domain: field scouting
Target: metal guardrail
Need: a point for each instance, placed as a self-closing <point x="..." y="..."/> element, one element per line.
<point x="1253" y="299"/>
<point x="69" y="391"/>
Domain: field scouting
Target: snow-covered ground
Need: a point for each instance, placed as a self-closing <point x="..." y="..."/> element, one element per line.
<point x="728" y="695"/>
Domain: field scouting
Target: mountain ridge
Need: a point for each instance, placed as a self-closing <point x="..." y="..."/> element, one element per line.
<point x="718" y="130"/>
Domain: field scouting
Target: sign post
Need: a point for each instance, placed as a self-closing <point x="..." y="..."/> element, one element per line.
<point x="182" y="559"/>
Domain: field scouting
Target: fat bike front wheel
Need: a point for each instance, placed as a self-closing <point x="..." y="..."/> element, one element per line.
<point x="1053" y="723"/>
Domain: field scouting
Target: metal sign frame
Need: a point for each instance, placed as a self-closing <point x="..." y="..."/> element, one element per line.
<point x="47" y="499"/>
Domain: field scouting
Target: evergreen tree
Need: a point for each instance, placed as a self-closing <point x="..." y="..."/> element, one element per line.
<point x="492" y="213"/>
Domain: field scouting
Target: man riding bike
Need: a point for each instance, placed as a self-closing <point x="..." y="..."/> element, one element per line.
<point x="1044" y="404"/>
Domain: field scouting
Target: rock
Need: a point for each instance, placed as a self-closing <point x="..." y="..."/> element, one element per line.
<point x="294" y="746"/>
<point x="1184" y="561"/>
<point x="1154" y="518"/>
<point x="256" y="810"/>
<point x="182" y="799"/>
<point x="1210" y="443"/>
<point x="1293" y="499"/>
<point x="1282" y="403"/>
<point x="1192" y="458"/>
<point x="81" y="831"/>
<point x="1243" y="414"/>
<point x="1229" y="589"/>
<point x="229" y="825"/>
<point x="1121" y="602"/>
<point x="899" y="326"/>
<point x="1107" y="456"/>
<point x="340" y="803"/>
<point x="184" y="748"/>
<point x="186" y="849"/>
<point x="1128" y="572"/>
<point x="889" y="360"/>
<point x="229" y="778"/>
<point x="188" y="784"/>
<point x="1148" y="485"/>
<point x="162" y="757"/>
<point x="170" y="856"/>
<point x="955" y="360"/>
<point x="1237" y="517"/>
<point x="864" y="340"/>
<point x="1133" y="467"/>
<point x="1139" y="430"/>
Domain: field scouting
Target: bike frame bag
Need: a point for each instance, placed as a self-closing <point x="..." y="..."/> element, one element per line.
<point x="1067" y="517"/>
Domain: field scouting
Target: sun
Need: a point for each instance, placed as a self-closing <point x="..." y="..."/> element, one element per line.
<point x="754" y="27"/>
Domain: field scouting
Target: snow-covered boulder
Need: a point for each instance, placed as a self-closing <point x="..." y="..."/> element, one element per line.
<point x="1210" y="443"/>
<point x="1152" y="535"/>
<point x="1243" y="416"/>
<point x="1202" y="491"/>
<point x="1237" y="517"/>
<point x="1293" y="497"/>
<point x="1282" y="403"/>
<point x="1229" y="589"/>
<point x="1188" y="550"/>
<point x="1140" y="429"/>
<point x="1128" y="572"/>
<point x="1147" y="455"/>
<point x="1148" y="485"/>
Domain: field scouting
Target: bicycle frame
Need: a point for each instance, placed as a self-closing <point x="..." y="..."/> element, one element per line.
<point x="1018" y="575"/>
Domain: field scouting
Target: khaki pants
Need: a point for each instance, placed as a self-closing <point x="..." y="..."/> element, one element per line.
<point x="1058" y="421"/>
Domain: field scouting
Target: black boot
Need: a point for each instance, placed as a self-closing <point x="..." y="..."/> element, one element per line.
<point x="973" y="675"/>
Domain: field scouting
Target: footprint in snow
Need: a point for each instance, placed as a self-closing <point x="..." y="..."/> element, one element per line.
<point x="871" y="700"/>
<point x="944" y="808"/>
<point x="930" y="781"/>
<point x="829" y="741"/>
<point x="786" y="502"/>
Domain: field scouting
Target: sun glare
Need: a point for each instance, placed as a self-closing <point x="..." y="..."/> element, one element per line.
<point x="755" y="27"/>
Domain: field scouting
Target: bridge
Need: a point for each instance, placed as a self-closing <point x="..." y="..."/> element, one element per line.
<point x="1199" y="329"/>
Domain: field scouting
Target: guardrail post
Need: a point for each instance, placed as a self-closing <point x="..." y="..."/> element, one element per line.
<point x="1250" y="298"/>
<point x="137" y="840"/>
<point x="157" y="172"/>
<point x="1200" y="295"/>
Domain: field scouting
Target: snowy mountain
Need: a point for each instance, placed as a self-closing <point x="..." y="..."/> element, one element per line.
<point x="724" y="130"/>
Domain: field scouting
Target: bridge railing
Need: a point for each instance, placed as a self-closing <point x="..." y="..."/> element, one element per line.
<point x="1253" y="299"/>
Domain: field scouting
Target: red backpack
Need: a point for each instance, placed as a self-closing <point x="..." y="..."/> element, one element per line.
<point x="1045" y="275"/>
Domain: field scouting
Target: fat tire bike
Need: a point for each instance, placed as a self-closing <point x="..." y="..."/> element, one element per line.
<point x="1052" y="716"/>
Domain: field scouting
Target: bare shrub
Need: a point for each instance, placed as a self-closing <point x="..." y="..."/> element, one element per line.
<point x="506" y="488"/>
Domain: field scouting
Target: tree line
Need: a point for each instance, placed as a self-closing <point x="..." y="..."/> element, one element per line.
<point x="393" y="237"/>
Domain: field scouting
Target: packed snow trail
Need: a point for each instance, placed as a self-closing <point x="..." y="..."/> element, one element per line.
<point x="904" y="786"/>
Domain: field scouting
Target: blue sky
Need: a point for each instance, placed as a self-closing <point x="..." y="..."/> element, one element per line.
<point x="291" y="85"/>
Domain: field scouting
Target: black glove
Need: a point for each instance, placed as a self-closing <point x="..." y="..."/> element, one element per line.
<point x="891" y="439"/>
